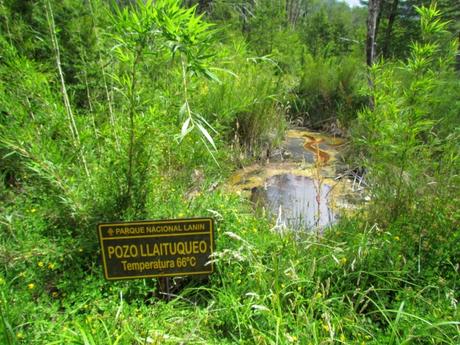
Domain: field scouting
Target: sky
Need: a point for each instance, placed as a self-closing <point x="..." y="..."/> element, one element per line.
<point x="352" y="2"/>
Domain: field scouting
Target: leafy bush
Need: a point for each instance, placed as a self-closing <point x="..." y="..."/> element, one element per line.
<point x="245" y="104"/>
<point x="119" y="138"/>
<point x="329" y="89"/>
<point x="412" y="151"/>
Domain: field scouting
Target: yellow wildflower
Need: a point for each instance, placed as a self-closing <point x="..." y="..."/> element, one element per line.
<point x="54" y="294"/>
<point x="33" y="210"/>
<point x="291" y="338"/>
<point x="343" y="261"/>
<point x="319" y="295"/>
<point x="342" y="337"/>
<point x="325" y="327"/>
<point x="40" y="264"/>
<point x="31" y="286"/>
<point x="51" y="266"/>
<point x="20" y="335"/>
<point x="397" y="238"/>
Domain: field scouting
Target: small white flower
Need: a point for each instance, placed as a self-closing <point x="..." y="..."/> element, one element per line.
<point x="259" y="307"/>
<point x="233" y="236"/>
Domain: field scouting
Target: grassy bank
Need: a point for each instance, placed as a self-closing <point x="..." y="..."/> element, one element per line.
<point x="359" y="284"/>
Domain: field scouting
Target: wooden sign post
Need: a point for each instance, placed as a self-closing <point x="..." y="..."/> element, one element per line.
<point x="156" y="249"/>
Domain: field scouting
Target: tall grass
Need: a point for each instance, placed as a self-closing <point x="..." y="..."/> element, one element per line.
<point x="328" y="90"/>
<point x="246" y="103"/>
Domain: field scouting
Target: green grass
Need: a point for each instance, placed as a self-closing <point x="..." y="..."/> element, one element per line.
<point x="267" y="289"/>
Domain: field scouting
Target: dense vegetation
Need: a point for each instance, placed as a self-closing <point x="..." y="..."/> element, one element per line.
<point x="138" y="110"/>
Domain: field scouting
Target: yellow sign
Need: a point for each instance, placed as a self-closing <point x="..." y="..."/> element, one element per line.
<point x="159" y="248"/>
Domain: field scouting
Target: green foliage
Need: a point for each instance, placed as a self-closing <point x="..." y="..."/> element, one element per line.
<point x="332" y="31"/>
<point x="246" y="104"/>
<point x="411" y="147"/>
<point x="110" y="112"/>
<point x="329" y="89"/>
<point x="147" y="29"/>
<point x="265" y="290"/>
<point x="394" y="39"/>
<point x="403" y="133"/>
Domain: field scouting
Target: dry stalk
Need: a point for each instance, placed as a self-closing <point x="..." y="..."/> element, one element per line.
<point x="318" y="185"/>
<point x="65" y="96"/>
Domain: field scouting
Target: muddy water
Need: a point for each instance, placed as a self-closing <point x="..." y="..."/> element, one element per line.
<point x="297" y="185"/>
<point x="293" y="200"/>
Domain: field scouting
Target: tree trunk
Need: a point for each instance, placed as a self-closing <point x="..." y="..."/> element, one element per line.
<point x="247" y="6"/>
<point x="203" y="5"/>
<point x="371" y="44"/>
<point x="391" y="20"/>
<point x="293" y="11"/>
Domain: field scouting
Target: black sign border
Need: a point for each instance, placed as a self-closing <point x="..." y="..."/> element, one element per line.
<point x="156" y="221"/>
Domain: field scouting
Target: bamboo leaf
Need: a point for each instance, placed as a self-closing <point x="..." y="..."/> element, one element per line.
<point x="183" y="109"/>
<point x="211" y="76"/>
<point x="207" y="135"/>
<point x="185" y="125"/>
<point x="201" y="118"/>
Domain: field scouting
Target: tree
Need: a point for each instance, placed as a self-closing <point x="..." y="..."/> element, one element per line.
<point x="295" y="9"/>
<point x="389" y="29"/>
<point x="372" y="28"/>
<point x="203" y="5"/>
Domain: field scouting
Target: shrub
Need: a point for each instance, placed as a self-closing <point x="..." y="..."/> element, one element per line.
<point x="412" y="155"/>
<point x="328" y="90"/>
<point x="245" y="105"/>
